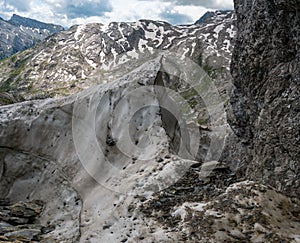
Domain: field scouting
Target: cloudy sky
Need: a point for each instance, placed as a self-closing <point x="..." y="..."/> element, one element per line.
<point x="70" y="12"/>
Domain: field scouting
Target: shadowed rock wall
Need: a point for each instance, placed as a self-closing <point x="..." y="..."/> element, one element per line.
<point x="265" y="101"/>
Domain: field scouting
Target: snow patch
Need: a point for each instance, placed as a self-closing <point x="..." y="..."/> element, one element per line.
<point x="181" y="210"/>
<point x="91" y="63"/>
<point x="217" y="30"/>
<point x="231" y="31"/>
<point x="79" y="29"/>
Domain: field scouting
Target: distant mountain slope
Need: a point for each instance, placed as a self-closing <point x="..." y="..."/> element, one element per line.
<point x="20" y="33"/>
<point x="34" y="24"/>
<point x="213" y="15"/>
<point x="90" y="54"/>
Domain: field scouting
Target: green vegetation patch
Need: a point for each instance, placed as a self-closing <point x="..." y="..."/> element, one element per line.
<point x="14" y="76"/>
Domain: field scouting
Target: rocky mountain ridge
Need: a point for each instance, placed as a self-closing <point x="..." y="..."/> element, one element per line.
<point x="208" y="16"/>
<point x="91" y="54"/>
<point x="49" y="29"/>
<point x="19" y="33"/>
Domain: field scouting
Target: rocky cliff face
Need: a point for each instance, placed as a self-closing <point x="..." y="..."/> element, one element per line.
<point x="266" y="96"/>
<point x="19" y="33"/>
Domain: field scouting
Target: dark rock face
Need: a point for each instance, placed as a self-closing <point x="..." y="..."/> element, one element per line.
<point x="18" y="222"/>
<point x="266" y="96"/>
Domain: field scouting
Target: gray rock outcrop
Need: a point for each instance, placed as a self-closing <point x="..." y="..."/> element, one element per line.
<point x="266" y="96"/>
<point x="19" y="222"/>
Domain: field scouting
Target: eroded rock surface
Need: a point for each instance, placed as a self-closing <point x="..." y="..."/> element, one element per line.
<point x="19" y="222"/>
<point x="77" y="152"/>
<point x="265" y="101"/>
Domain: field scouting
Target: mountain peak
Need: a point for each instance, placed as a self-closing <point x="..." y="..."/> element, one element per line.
<point x="18" y="20"/>
<point x="20" y="33"/>
<point x="208" y="16"/>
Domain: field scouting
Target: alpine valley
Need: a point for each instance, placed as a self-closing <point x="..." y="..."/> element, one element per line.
<point x="149" y="132"/>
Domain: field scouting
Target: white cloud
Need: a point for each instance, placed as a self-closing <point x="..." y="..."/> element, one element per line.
<point x="195" y="12"/>
<point x="214" y="4"/>
<point x="70" y="12"/>
<point x="125" y="11"/>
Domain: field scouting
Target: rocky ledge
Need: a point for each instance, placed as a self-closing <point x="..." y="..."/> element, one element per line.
<point x="222" y="209"/>
<point x="19" y="223"/>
